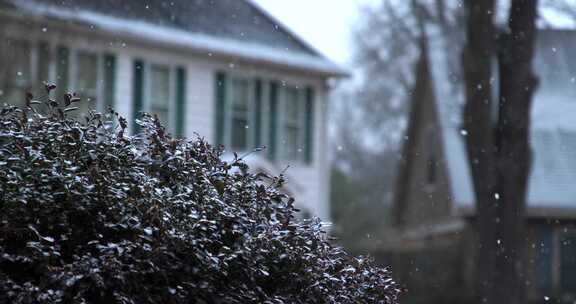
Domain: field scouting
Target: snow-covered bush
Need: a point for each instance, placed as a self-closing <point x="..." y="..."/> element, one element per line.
<point x="89" y="214"/>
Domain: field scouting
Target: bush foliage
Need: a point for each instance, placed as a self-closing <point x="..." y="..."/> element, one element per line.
<point x="89" y="214"/>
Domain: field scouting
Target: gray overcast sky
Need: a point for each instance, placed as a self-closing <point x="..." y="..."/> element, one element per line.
<point x="325" y="24"/>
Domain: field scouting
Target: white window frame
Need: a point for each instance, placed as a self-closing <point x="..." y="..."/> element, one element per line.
<point x="73" y="70"/>
<point x="171" y="123"/>
<point x="265" y="115"/>
<point x="251" y="112"/>
<point x="51" y="62"/>
<point x="36" y="85"/>
<point x="282" y="116"/>
<point x="32" y="49"/>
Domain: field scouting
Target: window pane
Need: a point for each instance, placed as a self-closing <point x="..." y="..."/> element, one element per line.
<point x="432" y="160"/>
<point x="544" y="257"/>
<point x="292" y="125"/>
<point x="17" y="75"/>
<point x="43" y="67"/>
<point x="86" y="82"/>
<point x="240" y="95"/>
<point x="292" y="144"/>
<point x="240" y="114"/>
<point x="239" y="134"/>
<point x="21" y="57"/>
<point x="568" y="264"/>
<point x="160" y="94"/>
<point x="292" y="100"/>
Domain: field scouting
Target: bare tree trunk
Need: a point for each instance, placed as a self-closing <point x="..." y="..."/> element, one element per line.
<point x="499" y="152"/>
<point x="514" y="157"/>
<point x="478" y="57"/>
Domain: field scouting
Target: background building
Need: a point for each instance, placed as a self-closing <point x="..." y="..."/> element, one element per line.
<point x="225" y="70"/>
<point x="434" y="209"/>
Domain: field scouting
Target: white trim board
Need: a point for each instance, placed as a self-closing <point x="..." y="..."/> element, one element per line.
<point x="193" y="41"/>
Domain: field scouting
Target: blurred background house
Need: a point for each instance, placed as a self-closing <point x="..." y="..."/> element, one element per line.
<point x="403" y="169"/>
<point x="434" y="204"/>
<point x="226" y="70"/>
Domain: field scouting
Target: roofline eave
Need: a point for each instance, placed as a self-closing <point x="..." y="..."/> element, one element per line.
<point x="140" y="31"/>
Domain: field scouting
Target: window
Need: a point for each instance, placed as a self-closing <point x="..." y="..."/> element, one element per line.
<point x="29" y="67"/>
<point x="431" y="171"/>
<point x="544" y="259"/>
<point x="160" y="89"/>
<point x="431" y="162"/>
<point x="254" y="112"/>
<point x="568" y="263"/>
<point x="87" y="78"/>
<point x="292" y="124"/>
<point x="43" y="67"/>
<point x="241" y="115"/>
<point x="91" y="75"/>
<point x="159" y="94"/>
<point x="17" y="77"/>
<point x="237" y="113"/>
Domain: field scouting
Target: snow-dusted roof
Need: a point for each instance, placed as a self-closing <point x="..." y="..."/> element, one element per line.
<point x="553" y="131"/>
<point x="231" y="28"/>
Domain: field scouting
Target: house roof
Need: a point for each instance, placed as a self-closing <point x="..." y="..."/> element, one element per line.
<point x="233" y="28"/>
<point x="553" y="130"/>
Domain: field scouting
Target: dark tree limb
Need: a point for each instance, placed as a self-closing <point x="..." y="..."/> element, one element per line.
<point x="514" y="157"/>
<point x="478" y="58"/>
<point x="499" y="149"/>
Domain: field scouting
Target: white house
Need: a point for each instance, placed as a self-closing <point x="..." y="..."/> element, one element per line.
<point x="223" y="69"/>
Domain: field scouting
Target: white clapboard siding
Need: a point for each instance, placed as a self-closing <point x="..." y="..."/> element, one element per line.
<point x="311" y="182"/>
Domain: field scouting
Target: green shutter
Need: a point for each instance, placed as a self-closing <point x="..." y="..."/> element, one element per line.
<point x="258" y="113"/>
<point x="220" y="110"/>
<point x="137" y="93"/>
<point x="273" y="128"/>
<point x="63" y="72"/>
<point x="309" y="126"/>
<point x="109" y="81"/>
<point x="180" y="101"/>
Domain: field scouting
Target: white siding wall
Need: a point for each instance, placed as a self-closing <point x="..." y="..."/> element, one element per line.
<point x="309" y="182"/>
<point x="124" y="85"/>
<point x="200" y="100"/>
<point x="313" y="180"/>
